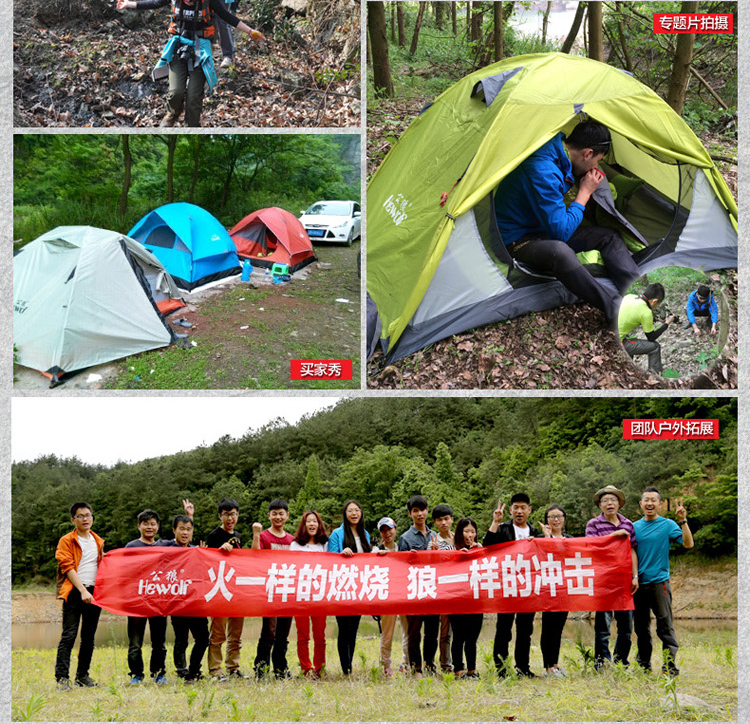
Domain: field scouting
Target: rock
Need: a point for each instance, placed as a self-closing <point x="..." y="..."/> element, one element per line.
<point x="687" y="701"/>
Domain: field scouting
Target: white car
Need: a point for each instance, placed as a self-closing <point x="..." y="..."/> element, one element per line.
<point x="333" y="221"/>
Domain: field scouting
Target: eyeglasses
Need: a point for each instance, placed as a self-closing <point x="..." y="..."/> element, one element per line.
<point x="229" y="514"/>
<point x="85" y="516"/>
<point x="555" y="517"/>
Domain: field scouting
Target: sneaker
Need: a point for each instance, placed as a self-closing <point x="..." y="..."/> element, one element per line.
<point x="527" y="673"/>
<point x="64" y="684"/>
<point x="160" y="680"/>
<point x="86" y="681"/>
<point x="135" y="680"/>
<point x="169" y="120"/>
<point x="472" y="675"/>
<point x="556" y="673"/>
<point x="227" y="63"/>
<point x="282" y="674"/>
<point x="387" y="672"/>
<point x="220" y="678"/>
<point x="236" y="674"/>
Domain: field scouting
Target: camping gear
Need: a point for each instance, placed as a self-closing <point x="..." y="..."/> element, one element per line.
<point x="83" y="296"/>
<point x="247" y="270"/>
<point x="192" y="245"/>
<point x="273" y="236"/>
<point x="435" y="270"/>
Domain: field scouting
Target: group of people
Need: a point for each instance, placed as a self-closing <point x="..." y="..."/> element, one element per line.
<point x="455" y="636"/>
<point x="637" y="310"/>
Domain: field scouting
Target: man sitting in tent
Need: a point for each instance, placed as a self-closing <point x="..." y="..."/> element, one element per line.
<point x="539" y="230"/>
<point x="636" y="311"/>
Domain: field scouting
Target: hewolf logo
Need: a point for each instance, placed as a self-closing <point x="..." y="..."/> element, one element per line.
<point x="396" y="208"/>
<point x="20" y="306"/>
<point x="171" y="585"/>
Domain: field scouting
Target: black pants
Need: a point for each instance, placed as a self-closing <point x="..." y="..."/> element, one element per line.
<point x="503" y="635"/>
<point x="186" y="91"/>
<point x="558" y="258"/>
<point x="656" y="597"/>
<point x="416" y="645"/>
<point x="602" y="623"/>
<point x="553" y="623"/>
<point x="347" y="640"/>
<point x="136" y="632"/>
<point x="183" y="626"/>
<point x="643" y="346"/>
<point x="75" y="612"/>
<point x="466" y="628"/>
<point x="272" y="646"/>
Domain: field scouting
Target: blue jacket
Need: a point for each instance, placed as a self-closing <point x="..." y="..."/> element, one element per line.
<point x="529" y="200"/>
<point x="693" y="306"/>
<point x="336" y="541"/>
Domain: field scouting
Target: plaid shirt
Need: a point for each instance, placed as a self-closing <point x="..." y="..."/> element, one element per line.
<point x="600" y="526"/>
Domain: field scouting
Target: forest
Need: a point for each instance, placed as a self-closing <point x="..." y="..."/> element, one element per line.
<point x="417" y="50"/>
<point x="111" y="181"/>
<point x="467" y="452"/>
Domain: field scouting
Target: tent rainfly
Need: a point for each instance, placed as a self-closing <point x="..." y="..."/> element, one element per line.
<point x="273" y="236"/>
<point x="435" y="270"/>
<point x="83" y="296"/>
<point x="190" y="242"/>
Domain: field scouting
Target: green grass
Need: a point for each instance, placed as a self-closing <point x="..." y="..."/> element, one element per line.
<point x="709" y="671"/>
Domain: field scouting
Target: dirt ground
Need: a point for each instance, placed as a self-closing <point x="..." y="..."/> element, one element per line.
<point x="243" y="335"/>
<point x="708" y="591"/>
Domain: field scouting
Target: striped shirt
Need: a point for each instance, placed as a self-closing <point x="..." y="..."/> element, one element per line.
<point x="600" y="526"/>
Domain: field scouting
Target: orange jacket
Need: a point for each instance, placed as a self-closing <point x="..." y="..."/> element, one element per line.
<point x="68" y="557"/>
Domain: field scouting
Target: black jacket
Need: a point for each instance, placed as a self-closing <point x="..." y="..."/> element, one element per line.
<point x="505" y="533"/>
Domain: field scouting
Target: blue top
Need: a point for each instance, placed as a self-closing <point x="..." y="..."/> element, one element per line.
<point x="336" y="541"/>
<point x="529" y="200"/>
<point x="413" y="540"/>
<point x="654" y="539"/>
<point x="693" y="306"/>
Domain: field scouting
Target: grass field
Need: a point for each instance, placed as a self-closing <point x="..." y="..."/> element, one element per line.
<point x="708" y="664"/>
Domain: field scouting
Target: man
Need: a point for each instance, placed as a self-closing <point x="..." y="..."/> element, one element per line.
<point x="225" y="628"/>
<point x="418" y="538"/>
<point x="78" y="556"/>
<point x="538" y="229"/>
<point x="274" y="633"/>
<point x="654" y="535"/>
<point x="611" y="522"/>
<point x="701" y="303"/>
<point x="442" y="519"/>
<point x="517" y="528"/>
<point x="637" y="311"/>
<point x="148" y="525"/>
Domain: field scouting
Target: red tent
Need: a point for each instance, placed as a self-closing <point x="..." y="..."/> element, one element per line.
<point x="273" y="236"/>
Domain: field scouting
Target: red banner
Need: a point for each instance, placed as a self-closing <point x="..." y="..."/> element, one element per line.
<point x="670" y="429"/>
<point x="540" y="574"/>
<point x="693" y="23"/>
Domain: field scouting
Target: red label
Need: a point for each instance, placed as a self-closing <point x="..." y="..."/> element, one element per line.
<point x="316" y="369"/>
<point x="670" y="429"/>
<point x="693" y="23"/>
<point x="537" y="574"/>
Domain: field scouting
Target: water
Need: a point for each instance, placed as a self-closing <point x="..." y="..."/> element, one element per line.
<point x="113" y="632"/>
<point x="529" y="22"/>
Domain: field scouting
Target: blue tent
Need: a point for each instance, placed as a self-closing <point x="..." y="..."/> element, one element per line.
<point x="190" y="243"/>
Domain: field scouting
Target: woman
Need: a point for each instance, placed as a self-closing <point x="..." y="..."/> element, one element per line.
<point x="466" y="626"/>
<point x="553" y="622"/>
<point x="188" y="52"/>
<point x="349" y="538"/>
<point x="311" y="536"/>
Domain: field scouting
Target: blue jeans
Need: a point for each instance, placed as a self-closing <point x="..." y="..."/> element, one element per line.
<point x="602" y="623"/>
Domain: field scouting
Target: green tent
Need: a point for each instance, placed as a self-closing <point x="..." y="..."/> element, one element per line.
<point x="83" y="296"/>
<point x="434" y="270"/>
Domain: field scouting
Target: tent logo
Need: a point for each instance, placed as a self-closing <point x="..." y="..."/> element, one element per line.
<point x="397" y="208"/>
<point x="20" y="306"/>
<point x="163" y="584"/>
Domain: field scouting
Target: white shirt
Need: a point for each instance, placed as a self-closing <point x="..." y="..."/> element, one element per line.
<point x="89" y="563"/>
<point x="310" y="547"/>
<point x="522" y="533"/>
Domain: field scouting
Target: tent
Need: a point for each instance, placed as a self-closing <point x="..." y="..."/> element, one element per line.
<point x="192" y="244"/>
<point x="84" y="296"/>
<point x="434" y="270"/>
<point x="273" y="236"/>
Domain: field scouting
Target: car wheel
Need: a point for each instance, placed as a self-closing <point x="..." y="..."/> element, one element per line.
<point x="349" y="237"/>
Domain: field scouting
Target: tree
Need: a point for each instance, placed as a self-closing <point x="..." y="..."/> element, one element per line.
<point x="596" y="37"/>
<point x="454" y="25"/>
<point x="381" y="69"/>
<point x="683" y="57"/>
<point x="393" y="22"/>
<point x="497" y="13"/>
<point x="438" y="8"/>
<point x="545" y="22"/>
<point x="401" y="25"/>
<point x="570" y="38"/>
<point x="417" y="26"/>
<point x="477" y="14"/>
<point x="127" y="162"/>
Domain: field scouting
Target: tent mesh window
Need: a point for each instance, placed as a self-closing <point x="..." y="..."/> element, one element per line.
<point x="163" y="237"/>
